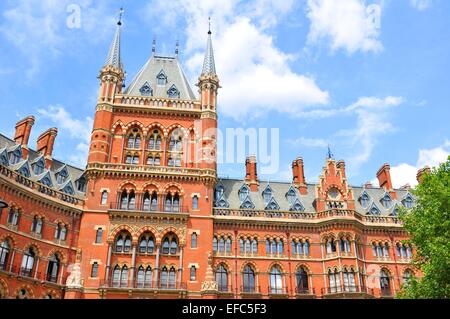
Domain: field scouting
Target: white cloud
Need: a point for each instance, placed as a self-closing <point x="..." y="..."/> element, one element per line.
<point x="255" y="75"/>
<point x="404" y="173"/>
<point x="77" y="129"/>
<point x="347" y="24"/>
<point x="421" y="4"/>
<point x="39" y="29"/>
<point x="309" y="142"/>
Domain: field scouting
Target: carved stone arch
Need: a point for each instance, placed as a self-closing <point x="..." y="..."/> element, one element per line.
<point x="175" y="126"/>
<point x="276" y="263"/>
<point x="58" y="252"/>
<point x="177" y="232"/>
<point x="147" y="229"/>
<point x="305" y="266"/>
<point x="123" y="185"/>
<point x="148" y="187"/>
<point x="252" y="264"/>
<point x="118" y="125"/>
<point x="10" y="238"/>
<point x="328" y="236"/>
<point x="224" y="263"/>
<point x="134" y="124"/>
<point x="114" y="232"/>
<point x="38" y="215"/>
<point x="175" y="185"/>
<point x="4" y="290"/>
<point x="157" y="125"/>
<point x="168" y="266"/>
<point x="408" y="269"/>
<point x="28" y="289"/>
<point x="194" y="131"/>
<point x="387" y="269"/>
<point x="35" y="247"/>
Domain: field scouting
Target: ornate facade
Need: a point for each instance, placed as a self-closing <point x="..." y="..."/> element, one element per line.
<point x="149" y="218"/>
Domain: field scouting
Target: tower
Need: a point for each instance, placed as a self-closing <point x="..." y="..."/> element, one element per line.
<point x="151" y="174"/>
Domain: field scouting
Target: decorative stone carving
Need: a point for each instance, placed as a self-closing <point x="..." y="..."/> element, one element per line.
<point x="74" y="279"/>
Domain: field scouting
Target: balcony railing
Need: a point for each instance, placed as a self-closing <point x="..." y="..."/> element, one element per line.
<point x="155" y="102"/>
<point x="250" y="289"/>
<point x="140" y="207"/>
<point x="277" y="290"/>
<point x="150" y="285"/>
<point x="26" y="272"/>
<point x="346" y="289"/>
<point x="305" y="291"/>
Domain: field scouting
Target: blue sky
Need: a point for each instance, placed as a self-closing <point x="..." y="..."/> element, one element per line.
<point x="370" y="78"/>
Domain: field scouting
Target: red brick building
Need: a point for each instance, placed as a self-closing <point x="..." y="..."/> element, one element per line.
<point x="149" y="218"/>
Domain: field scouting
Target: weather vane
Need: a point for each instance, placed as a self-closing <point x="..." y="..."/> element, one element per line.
<point x="330" y="155"/>
<point x="121" y="11"/>
<point x="209" y="25"/>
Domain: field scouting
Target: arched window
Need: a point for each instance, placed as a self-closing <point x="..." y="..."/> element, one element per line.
<point x="409" y="252"/>
<point x="124" y="277"/>
<point x="172" y="278"/>
<point x="273" y="246"/>
<point x="36" y="226"/>
<point x="132" y="159"/>
<point x="380" y="250"/>
<point x="386" y="250"/>
<point x="345" y="245"/>
<point x="140" y="277"/>
<point x="222" y="245"/>
<point x="166" y="246"/>
<point x="146" y="90"/>
<point x="173" y="92"/>
<point x="215" y="244"/>
<point x="291" y="196"/>
<point x="155" y="140"/>
<point x="148" y="279"/>
<point x="146" y="244"/>
<point x="104" y="199"/>
<point x="61" y="232"/>
<point x="364" y="200"/>
<point x="116" y="276"/>
<point x="13" y="217"/>
<point x="154" y="202"/>
<point x="302" y="281"/>
<point x="222" y="278"/>
<point x="28" y="263"/>
<point x="176" y="141"/>
<point x="407" y="276"/>
<point x="398" y="250"/>
<point x="254" y="246"/>
<point x="164" y="280"/>
<point x="330" y="246"/>
<point x="386" y="201"/>
<point x="267" y="194"/>
<point x="334" y="281"/>
<point x="247" y="246"/>
<point x="243" y="193"/>
<point x="267" y="246"/>
<point x="194" y="240"/>
<point x="306" y="246"/>
<point x="134" y="139"/>
<point x="123" y="243"/>
<point x="276" y="281"/>
<point x="385" y="283"/>
<point x="170" y="245"/>
<point x="146" y="202"/>
<point x="4" y="254"/>
<point x="228" y="245"/>
<point x="248" y="279"/>
<point x="280" y="247"/>
<point x="39" y="167"/>
<point x="131" y="200"/>
<point x="349" y="280"/>
<point x="53" y="269"/>
<point x="195" y="202"/>
<point x="172" y="203"/>
<point x="193" y="274"/>
<point x="294" y="250"/>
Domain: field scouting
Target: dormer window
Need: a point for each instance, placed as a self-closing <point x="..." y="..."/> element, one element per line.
<point x="291" y="195"/>
<point x="68" y="189"/>
<point x="81" y="184"/>
<point x="173" y="92"/>
<point x="62" y="176"/>
<point x="364" y="200"/>
<point x="297" y="206"/>
<point x="15" y="156"/>
<point x="146" y="90"/>
<point x="408" y="202"/>
<point x="39" y="168"/>
<point x="247" y="204"/>
<point x="46" y="181"/>
<point x="219" y="192"/>
<point x="267" y="194"/>
<point x="386" y="201"/>
<point x="3" y="159"/>
<point x="272" y="205"/>
<point x="24" y="171"/>
<point x="243" y="193"/>
<point x="374" y="210"/>
<point x="161" y="78"/>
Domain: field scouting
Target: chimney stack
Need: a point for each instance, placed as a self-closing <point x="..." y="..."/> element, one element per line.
<point x="251" y="174"/>
<point x="341" y="167"/>
<point x="422" y="172"/>
<point x="298" y="175"/>
<point x="384" y="178"/>
<point x="22" y="135"/>
<point x="45" y="144"/>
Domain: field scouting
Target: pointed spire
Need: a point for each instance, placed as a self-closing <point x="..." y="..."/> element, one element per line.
<point x="209" y="65"/>
<point x="114" y="58"/>
<point x="177" y="47"/>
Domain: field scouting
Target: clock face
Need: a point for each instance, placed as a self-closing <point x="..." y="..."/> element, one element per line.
<point x="333" y="193"/>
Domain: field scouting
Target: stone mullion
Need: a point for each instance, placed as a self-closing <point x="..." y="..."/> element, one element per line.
<point x="133" y="266"/>
<point x="158" y="252"/>
<point x="108" y="263"/>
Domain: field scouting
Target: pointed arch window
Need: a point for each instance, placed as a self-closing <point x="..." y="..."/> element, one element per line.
<point x="334" y="280"/>
<point x="39" y="167"/>
<point x="13" y="217"/>
<point x="364" y="200"/>
<point x="62" y="176"/>
<point x="228" y="245"/>
<point x="194" y="240"/>
<point x="222" y="278"/>
<point x="4" y="254"/>
<point x="219" y="191"/>
<point x="385" y="283"/>
<point x="248" y="279"/>
<point x="243" y="193"/>
<point x="53" y="269"/>
<point x="155" y="140"/>
<point x="134" y="139"/>
<point x="15" y="156"/>
<point x="408" y="202"/>
<point x="36" y="225"/>
<point x="272" y="205"/>
<point x="374" y="210"/>
<point x="267" y="194"/>
<point x="172" y="203"/>
<point x="276" y="281"/>
<point x="28" y="262"/>
<point x="104" y="198"/>
<point x="215" y="244"/>
<point x="302" y="281"/>
<point x="195" y="202"/>
<point x="291" y="195"/>
<point x="24" y="171"/>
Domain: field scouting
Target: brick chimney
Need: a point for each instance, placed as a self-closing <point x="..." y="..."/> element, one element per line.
<point x="251" y="173"/>
<point x="45" y="144"/>
<point x="422" y="172"/>
<point x="22" y="135"/>
<point x="298" y="175"/>
<point x="384" y="178"/>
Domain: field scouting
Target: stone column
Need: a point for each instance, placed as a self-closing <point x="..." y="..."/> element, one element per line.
<point x="12" y="260"/>
<point x="108" y="264"/>
<point x="158" y="251"/>
<point x="180" y="268"/>
<point x="133" y="266"/>
<point x="37" y="268"/>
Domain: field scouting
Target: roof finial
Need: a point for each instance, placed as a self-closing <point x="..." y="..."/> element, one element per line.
<point x="154" y="45"/>
<point x="209" y="25"/>
<point x="177" y="46"/>
<point x="121" y="11"/>
<point x="329" y="155"/>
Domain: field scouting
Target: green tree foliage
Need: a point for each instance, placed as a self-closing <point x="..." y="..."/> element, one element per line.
<point x="429" y="226"/>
